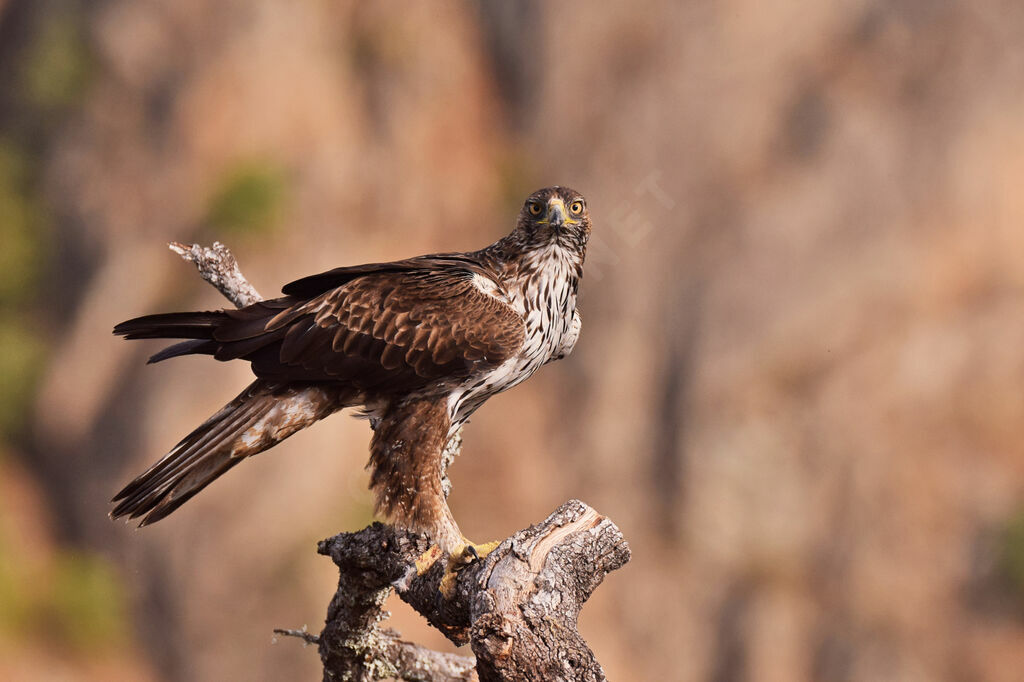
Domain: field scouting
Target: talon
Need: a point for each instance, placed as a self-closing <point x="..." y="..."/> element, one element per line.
<point x="481" y="551"/>
<point x="458" y="560"/>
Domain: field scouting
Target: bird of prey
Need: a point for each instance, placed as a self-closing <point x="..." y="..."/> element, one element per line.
<point x="417" y="344"/>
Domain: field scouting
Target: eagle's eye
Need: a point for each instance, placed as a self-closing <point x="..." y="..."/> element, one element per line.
<point x="534" y="208"/>
<point x="576" y="207"/>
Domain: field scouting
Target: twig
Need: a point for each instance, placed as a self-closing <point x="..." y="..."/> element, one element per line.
<point x="303" y="634"/>
<point x="217" y="265"/>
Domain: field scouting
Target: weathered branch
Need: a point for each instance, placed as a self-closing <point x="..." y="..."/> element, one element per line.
<point x="217" y="265"/>
<point x="517" y="607"/>
<point x="353" y="645"/>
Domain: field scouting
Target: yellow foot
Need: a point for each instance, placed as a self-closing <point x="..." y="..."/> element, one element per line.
<point x="427" y="559"/>
<point x="460" y="558"/>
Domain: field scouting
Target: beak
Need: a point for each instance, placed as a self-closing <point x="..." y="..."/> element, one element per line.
<point x="556" y="212"/>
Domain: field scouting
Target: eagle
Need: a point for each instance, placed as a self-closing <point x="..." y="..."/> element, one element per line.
<point x="418" y="345"/>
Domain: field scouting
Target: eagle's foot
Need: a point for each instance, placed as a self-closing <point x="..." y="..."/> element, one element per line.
<point x="481" y="551"/>
<point x="427" y="559"/>
<point x="459" y="559"/>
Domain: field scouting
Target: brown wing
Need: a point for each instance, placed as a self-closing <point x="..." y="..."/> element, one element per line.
<point x="388" y="330"/>
<point x="314" y="285"/>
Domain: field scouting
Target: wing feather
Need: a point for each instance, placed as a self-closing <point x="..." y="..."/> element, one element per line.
<point x="387" y="327"/>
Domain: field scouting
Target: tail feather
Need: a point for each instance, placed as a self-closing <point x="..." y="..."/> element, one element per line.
<point x="191" y="347"/>
<point x="235" y="424"/>
<point x="238" y="332"/>
<point x="198" y="325"/>
<point x="166" y="473"/>
<point x="261" y="416"/>
<point x="202" y="456"/>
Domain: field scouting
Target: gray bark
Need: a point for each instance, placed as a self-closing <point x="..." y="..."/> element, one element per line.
<point x="217" y="265"/>
<point x="517" y="608"/>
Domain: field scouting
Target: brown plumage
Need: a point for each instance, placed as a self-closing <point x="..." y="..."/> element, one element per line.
<point x="418" y="344"/>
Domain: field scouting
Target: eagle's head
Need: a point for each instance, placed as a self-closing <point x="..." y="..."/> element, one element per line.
<point x="555" y="215"/>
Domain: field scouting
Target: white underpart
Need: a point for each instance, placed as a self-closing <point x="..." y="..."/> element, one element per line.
<point x="547" y="304"/>
<point x="488" y="286"/>
<point x="569" y="340"/>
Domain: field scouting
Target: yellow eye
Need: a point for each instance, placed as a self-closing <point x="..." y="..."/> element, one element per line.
<point x="576" y="207"/>
<point x="534" y="207"/>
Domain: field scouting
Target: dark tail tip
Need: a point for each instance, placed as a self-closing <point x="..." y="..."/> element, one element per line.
<point x="192" y="347"/>
<point x="200" y="325"/>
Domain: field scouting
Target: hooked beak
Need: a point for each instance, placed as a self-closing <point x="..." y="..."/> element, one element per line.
<point x="556" y="212"/>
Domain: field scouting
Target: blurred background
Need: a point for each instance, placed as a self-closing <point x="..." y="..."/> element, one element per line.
<point x="800" y="385"/>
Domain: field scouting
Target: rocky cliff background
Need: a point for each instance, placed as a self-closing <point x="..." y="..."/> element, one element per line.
<point x="800" y="385"/>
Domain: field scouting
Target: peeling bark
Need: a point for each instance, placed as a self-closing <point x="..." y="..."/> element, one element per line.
<point x="517" y="608"/>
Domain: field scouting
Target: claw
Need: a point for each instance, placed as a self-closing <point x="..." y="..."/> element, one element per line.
<point x="481" y="551"/>
<point x="459" y="559"/>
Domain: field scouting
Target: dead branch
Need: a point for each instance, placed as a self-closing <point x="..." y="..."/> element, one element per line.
<point x="517" y="607"/>
<point x="217" y="265"/>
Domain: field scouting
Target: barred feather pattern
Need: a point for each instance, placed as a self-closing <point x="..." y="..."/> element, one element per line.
<point x="418" y="345"/>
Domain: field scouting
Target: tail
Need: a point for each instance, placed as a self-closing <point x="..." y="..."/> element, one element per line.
<point x="261" y="416"/>
<point x="198" y="327"/>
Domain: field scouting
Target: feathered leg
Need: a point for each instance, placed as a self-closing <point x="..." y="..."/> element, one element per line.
<point x="405" y="460"/>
